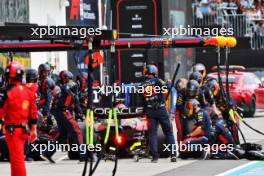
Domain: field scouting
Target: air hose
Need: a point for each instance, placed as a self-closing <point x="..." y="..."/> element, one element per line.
<point x="90" y="140"/>
<point x="228" y="97"/>
<point x="225" y="95"/>
<point x="89" y="134"/>
<point x="249" y="126"/>
<point x="112" y="112"/>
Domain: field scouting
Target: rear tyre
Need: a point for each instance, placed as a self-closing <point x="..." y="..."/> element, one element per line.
<point x="251" y="108"/>
<point x="73" y="155"/>
<point x="162" y="140"/>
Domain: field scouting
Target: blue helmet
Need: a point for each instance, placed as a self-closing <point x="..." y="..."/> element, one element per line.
<point x="200" y="68"/>
<point x="151" y="70"/>
<point x="197" y="76"/>
<point x="181" y="84"/>
<point x="192" y="88"/>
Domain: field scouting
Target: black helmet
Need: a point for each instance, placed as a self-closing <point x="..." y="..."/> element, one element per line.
<point x="190" y="107"/>
<point x="64" y="76"/>
<point x="14" y="71"/>
<point x="31" y="75"/>
<point x="200" y="68"/>
<point x="43" y="67"/>
<point x="151" y="70"/>
<point x="196" y="76"/>
<point x="181" y="84"/>
<point x="192" y="88"/>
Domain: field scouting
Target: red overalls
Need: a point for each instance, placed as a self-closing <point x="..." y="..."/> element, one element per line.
<point x="19" y="107"/>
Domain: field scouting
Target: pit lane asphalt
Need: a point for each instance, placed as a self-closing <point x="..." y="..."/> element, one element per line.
<point x="127" y="167"/>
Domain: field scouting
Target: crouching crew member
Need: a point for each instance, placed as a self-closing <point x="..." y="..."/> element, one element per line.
<point x="216" y="100"/>
<point x="202" y="129"/>
<point x="156" y="112"/>
<point x="20" y="116"/>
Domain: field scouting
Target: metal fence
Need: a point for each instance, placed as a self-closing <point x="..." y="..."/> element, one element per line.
<point x="205" y="20"/>
<point x="14" y="11"/>
<point x="224" y="17"/>
<point x="257" y="41"/>
<point x="239" y="23"/>
<point x="242" y="25"/>
<point x="200" y="19"/>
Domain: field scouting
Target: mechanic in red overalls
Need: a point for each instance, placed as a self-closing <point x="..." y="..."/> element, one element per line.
<point x="20" y="116"/>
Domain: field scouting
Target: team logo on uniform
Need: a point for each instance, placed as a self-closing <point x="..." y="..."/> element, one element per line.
<point x="25" y="104"/>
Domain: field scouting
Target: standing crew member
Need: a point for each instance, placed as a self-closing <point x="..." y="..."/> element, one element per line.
<point x="68" y="127"/>
<point x="180" y="121"/>
<point x="32" y="85"/>
<point x="76" y="106"/>
<point x="20" y="116"/>
<point x="46" y="85"/>
<point x="81" y="81"/>
<point x="156" y="112"/>
<point x="32" y="81"/>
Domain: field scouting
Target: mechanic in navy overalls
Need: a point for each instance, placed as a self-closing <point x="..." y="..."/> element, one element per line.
<point x="156" y="112"/>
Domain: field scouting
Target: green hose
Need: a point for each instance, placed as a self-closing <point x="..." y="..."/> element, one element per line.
<point x="108" y="126"/>
<point x="116" y="122"/>
<point x="89" y="124"/>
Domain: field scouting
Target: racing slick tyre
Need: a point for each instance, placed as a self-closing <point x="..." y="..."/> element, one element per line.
<point x="161" y="141"/>
<point x="251" y="108"/>
<point x="72" y="155"/>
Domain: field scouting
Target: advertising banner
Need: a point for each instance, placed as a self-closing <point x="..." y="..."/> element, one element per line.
<point x="80" y="13"/>
<point x="135" y="19"/>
